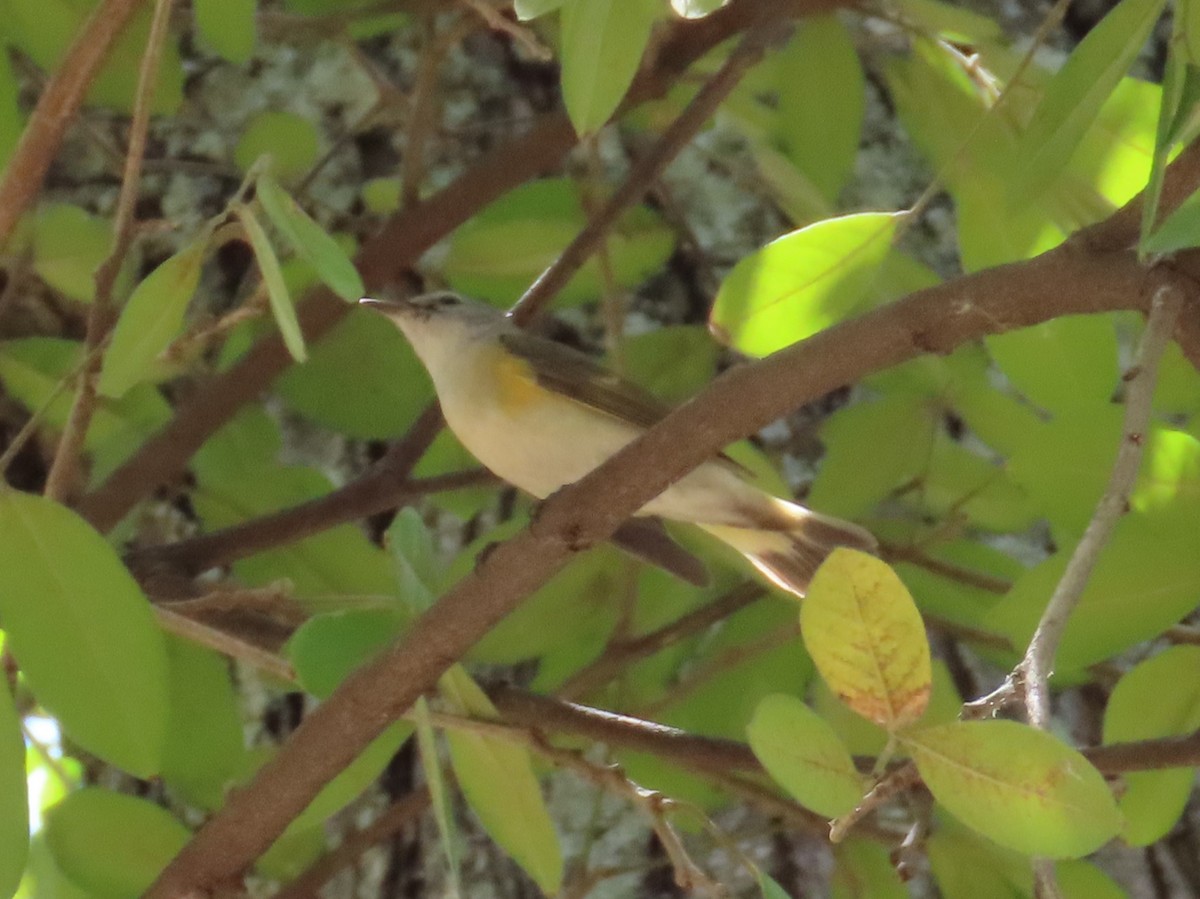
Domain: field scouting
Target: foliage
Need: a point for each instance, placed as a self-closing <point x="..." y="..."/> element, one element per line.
<point x="286" y="175"/>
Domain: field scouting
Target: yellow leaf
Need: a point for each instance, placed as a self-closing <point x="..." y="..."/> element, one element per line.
<point x="866" y="637"/>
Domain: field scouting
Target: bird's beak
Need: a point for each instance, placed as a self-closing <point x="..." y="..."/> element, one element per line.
<point x="386" y="306"/>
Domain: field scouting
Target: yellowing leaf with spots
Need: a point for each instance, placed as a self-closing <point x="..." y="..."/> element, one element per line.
<point x="866" y="637"/>
<point x="1020" y="787"/>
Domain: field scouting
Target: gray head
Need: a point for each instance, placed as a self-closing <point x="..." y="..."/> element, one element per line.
<point x="438" y="324"/>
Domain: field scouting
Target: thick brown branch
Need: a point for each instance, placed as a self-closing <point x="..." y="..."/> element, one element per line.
<point x="1069" y="280"/>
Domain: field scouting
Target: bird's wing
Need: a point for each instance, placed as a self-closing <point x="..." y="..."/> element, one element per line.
<point x="571" y="373"/>
<point x="576" y="375"/>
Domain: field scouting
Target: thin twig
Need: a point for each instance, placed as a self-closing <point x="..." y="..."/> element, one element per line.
<point x="1035" y="669"/>
<point x="63" y="478"/>
<point x="224" y="643"/>
<point x="619" y="656"/>
<point x="647" y="169"/>
<point x="721" y="662"/>
<point x="399" y="816"/>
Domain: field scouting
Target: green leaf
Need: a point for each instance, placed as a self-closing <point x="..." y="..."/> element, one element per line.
<point x="204" y="752"/>
<point x="967" y="866"/>
<point x="957" y="481"/>
<point x="865" y="635"/>
<point x="1180" y="231"/>
<point x="239" y="477"/>
<point x="291" y="142"/>
<point x="1143" y="583"/>
<point x="951" y="22"/>
<point x="443" y="811"/>
<point x="1074" y="96"/>
<point x="769" y="888"/>
<point x="822" y="101"/>
<point x="14" y="799"/>
<point x="361" y="379"/>
<point x="1019" y="786"/>
<point x="112" y="844"/>
<point x="862" y="463"/>
<point x="496" y="777"/>
<point x="1159" y="697"/>
<point x="34" y="367"/>
<point x="501" y="250"/>
<point x="277" y="292"/>
<point x="575" y="604"/>
<point x="601" y="48"/>
<point x="802" y="753"/>
<point x="309" y="239"/>
<point x="802" y="282"/>
<point x="1082" y="880"/>
<point x="327" y="648"/>
<point x="863" y="869"/>
<point x="45" y="30"/>
<point x="352" y="780"/>
<point x="227" y="26"/>
<point x="940" y="106"/>
<point x="1062" y="365"/>
<point x="12" y="123"/>
<point x="414" y="560"/>
<point x="151" y="319"/>
<point x="68" y="246"/>
<point x="83" y="632"/>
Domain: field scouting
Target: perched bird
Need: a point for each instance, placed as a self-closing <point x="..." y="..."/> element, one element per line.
<point x="541" y="415"/>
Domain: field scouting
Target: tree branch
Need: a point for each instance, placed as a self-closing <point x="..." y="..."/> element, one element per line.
<point x="56" y="107"/>
<point x="1032" y="675"/>
<point x="1071" y="279"/>
<point x="405" y="237"/>
<point x="62" y="482"/>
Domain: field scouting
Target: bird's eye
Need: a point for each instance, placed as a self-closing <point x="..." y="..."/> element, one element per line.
<point x="446" y="299"/>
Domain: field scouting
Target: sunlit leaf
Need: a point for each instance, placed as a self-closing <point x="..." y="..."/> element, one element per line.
<point x="803" y="754"/>
<point x="1074" y="96"/>
<point x="866" y="637"/>
<point x="1016" y="785"/>
<point x="802" y="282"/>
<point x="83" y="633"/>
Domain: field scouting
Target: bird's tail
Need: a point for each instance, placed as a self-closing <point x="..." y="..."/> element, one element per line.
<point x="792" y="542"/>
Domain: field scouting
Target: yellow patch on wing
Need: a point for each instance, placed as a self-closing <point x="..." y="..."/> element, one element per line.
<point x="516" y="384"/>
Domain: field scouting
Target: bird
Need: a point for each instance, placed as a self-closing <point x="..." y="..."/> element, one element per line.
<point x="541" y="415"/>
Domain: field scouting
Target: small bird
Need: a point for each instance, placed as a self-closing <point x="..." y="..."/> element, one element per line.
<point x="540" y="415"/>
